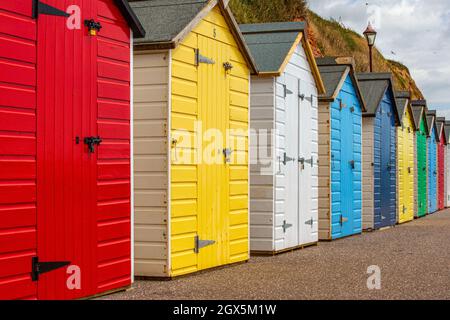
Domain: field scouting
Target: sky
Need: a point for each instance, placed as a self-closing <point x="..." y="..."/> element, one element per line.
<point x="414" y="32"/>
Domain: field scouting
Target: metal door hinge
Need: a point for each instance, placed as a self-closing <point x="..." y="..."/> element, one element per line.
<point x="308" y="161"/>
<point x="42" y="8"/>
<point x="343" y="220"/>
<point x="287" y="159"/>
<point x="200" y="244"/>
<point x="202" y="59"/>
<point x="286" y="91"/>
<point x="286" y="226"/>
<point x="38" y="268"/>
<point x="310" y="222"/>
<point x="304" y="97"/>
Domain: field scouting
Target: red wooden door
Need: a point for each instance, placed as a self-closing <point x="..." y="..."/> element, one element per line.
<point x="441" y="172"/>
<point x="83" y="194"/>
<point x="66" y="172"/>
<point x="60" y="202"/>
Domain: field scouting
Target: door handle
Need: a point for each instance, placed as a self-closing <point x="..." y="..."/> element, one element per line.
<point x="352" y="164"/>
<point x="91" y="142"/>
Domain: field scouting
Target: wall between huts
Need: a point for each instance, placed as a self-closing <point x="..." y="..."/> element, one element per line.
<point x="151" y="74"/>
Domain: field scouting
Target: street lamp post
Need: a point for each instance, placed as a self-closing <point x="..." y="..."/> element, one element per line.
<point x="371" y="36"/>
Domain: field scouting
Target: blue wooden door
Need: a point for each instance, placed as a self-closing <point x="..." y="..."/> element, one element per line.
<point x="347" y="168"/>
<point x="432" y="173"/>
<point x="386" y="164"/>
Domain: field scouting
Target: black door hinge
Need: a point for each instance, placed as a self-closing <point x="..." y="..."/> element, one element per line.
<point x="38" y="268"/>
<point x="42" y="8"/>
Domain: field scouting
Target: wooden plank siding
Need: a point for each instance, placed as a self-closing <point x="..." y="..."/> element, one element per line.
<point x="151" y="71"/>
<point x="368" y="173"/>
<point x="262" y="186"/>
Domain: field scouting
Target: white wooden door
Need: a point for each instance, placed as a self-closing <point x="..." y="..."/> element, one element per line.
<point x="308" y="165"/>
<point x="291" y="165"/>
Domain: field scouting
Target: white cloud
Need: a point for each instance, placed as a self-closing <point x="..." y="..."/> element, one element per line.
<point x="417" y="31"/>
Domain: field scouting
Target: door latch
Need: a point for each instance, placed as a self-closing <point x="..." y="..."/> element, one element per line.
<point x="200" y="244"/>
<point x="93" y="27"/>
<point x="352" y="164"/>
<point x="227" y="154"/>
<point x="38" y="268"/>
<point x="91" y="142"/>
<point x="310" y="222"/>
<point x="228" y="66"/>
<point x="286" y="226"/>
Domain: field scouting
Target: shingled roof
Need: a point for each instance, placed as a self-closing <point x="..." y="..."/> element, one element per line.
<point x="168" y="22"/>
<point x="131" y="18"/>
<point x="403" y="99"/>
<point x="441" y="126"/>
<point x="272" y="45"/>
<point x="431" y="122"/>
<point x="419" y="112"/>
<point x="334" y="72"/>
<point x="373" y="87"/>
<point x="447" y="130"/>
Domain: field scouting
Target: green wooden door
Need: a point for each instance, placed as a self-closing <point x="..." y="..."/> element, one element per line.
<point x="422" y="170"/>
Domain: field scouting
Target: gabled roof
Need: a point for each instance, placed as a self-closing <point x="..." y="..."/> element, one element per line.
<point x="403" y="99"/>
<point x="447" y="130"/>
<point x="131" y="18"/>
<point x="168" y="22"/>
<point x="441" y="128"/>
<point x="334" y="72"/>
<point x="373" y="87"/>
<point x="419" y="112"/>
<point x="273" y="44"/>
<point x="431" y="122"/>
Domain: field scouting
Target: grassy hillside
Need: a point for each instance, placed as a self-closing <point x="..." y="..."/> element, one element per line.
<point x="327" y="37"/>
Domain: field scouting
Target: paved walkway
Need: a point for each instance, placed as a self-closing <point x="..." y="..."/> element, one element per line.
<point x="414" y="259"/>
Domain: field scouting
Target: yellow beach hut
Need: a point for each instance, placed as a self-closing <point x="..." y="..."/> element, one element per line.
<point x="405" y="159"/>
<point x="191" y="93"/>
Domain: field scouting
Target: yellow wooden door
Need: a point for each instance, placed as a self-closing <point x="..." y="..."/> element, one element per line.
<point x="209" y="196"/>
<point x="213" y="88"/>
<point x="406" y="170"/>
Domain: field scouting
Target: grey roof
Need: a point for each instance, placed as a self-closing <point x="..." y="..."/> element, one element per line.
<point x="441" y="122"/>
<point x="131" y="18"/>
<point x="333" y="74"/>
<point x="165" y="19"/>
<point x="402" y="99"/>
<point x="447" y="130"/>
<point x="332" y="77"/>
<point x="270" y="43"/>
<point x="373" y="87"/>
<point x="418" y="114"/>
<point x="422" y="103"/>
<point x="431" y="123"/>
